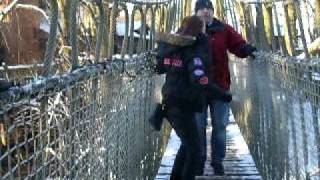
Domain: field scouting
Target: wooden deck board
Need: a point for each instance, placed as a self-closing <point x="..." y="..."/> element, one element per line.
<point x="238" y="163"/>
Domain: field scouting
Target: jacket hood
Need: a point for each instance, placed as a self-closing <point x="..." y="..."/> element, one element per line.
<point x="172" y="43"/>
<point x="175" y="39"/>
<point x="215" y="26"/>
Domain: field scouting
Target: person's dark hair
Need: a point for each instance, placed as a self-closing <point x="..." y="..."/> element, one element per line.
<point x="191" y="25"/>
<point x="200" y="4"/>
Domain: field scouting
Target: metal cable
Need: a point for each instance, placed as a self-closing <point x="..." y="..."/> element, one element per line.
<point x="90" y="122"/>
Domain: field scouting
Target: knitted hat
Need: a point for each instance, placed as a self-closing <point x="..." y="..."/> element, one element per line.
<point x="200" y="4"/>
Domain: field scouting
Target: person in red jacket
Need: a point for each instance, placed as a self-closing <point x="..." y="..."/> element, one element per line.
<point x="222" y="39"/>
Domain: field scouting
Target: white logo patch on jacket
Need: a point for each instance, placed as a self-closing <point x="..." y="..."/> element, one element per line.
<point x="197" y="61"/>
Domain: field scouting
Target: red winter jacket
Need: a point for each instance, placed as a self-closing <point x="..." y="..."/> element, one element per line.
<point x="223" y="38"/>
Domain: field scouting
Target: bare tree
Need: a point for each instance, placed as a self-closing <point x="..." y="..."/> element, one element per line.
<point x="292" y="14"/>
<point x="268" y="24"/>
<point x="107" y="27"/>
<point x="302" y="35"/>
<point x="289" y="21"/>
<point x="220" y="10"/>
<point x="246" y="25"/>
<point x="187" y="8"/>
<point x="260" y="29"/>
<point x="317" y="18"/>
<point x="64" y="8"/>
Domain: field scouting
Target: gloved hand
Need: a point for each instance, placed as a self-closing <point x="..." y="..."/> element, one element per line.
<point x="253" y="55"/>
<point x="227" y="97"/>
<point x="215" y="92"/>
<point x="248" y="50"/>
<point x="156" y="118"/>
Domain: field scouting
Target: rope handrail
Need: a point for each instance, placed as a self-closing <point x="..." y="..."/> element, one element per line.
<point x="276" y="104"/>
<point x="116" y="66"/>
<point x="144" y="2"/>
<point x="91" y="103"/>
<point x="82" y="123"/>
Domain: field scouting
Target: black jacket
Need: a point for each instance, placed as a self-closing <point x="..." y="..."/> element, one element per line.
<point x="185" y="64"/>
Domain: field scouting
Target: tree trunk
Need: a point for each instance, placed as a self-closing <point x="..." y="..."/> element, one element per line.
<point x="288" y="37"/>
<point x="64" y="8"/>
<point x="243" y="20"/>
<point x="268" y="25"/>
<point x="260" y="29"/>
<point x="220" y="10"/>
<point x="280" y="40"/>
<point x="310" y="33"/>
<point x="104" y="52"/>
<point x="317" y="19"/>
<point x="250" y="23"/>
<point x="187" y="8"/>
<point x="313" y="48"/>
<point x="292" y="13"/>
<point x="303" y="38"/>
<point x="232" y="14"/>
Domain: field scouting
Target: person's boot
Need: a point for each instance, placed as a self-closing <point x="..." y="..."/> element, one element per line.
<point x="202" y="166"/>
<point x="218" y="168"/>
<point x="156" y="118"/>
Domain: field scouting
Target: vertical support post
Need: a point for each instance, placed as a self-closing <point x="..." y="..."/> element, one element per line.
<point x="303" y="37"/>
<point x="112" y="30"/>
<point x="75" y="90"/>
<point x="73" y="34"/>
<point x="101" y="29"/>
<point x="288" y="33"/>
<point x="125" y="39"/>
<point x="278" y="29"/>
<point x="52" y="41"/>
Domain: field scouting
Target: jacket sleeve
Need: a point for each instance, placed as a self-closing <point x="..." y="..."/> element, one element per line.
<point x="199" y="78"/>
<point x="159" y="60"/>
<point x="236" y="43"/>
<point x="164" y="50"/>
<point x="197" y="68"/>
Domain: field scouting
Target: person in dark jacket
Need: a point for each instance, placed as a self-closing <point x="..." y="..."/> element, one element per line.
<point x="184" y="58"/>
<point x="222" y="38"/>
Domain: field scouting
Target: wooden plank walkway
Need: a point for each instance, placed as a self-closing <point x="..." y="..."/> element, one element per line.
<point x="238" y="162"/>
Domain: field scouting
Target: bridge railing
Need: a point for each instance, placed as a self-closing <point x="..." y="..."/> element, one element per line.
<point x="84" y="115"/>
<point x="90" y="123"/>
<point x="276" y="103"/>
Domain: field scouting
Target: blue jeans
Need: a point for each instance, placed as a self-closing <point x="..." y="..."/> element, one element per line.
<point x="219" y="112"/>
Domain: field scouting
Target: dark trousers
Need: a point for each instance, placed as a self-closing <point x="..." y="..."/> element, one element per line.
<point x="187" y="163"/>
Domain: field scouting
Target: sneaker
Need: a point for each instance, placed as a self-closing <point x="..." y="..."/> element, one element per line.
<point x="156" y="118"/>
<point x="218" y="169"/>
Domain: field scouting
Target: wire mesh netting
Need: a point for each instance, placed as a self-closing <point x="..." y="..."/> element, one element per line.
<point x="82" y="126"/>
<point x="276" y="103"/>
<point x="80" y="108"/>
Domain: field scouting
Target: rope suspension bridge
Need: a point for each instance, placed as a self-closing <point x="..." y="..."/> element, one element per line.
<point x="81" y="112"/>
